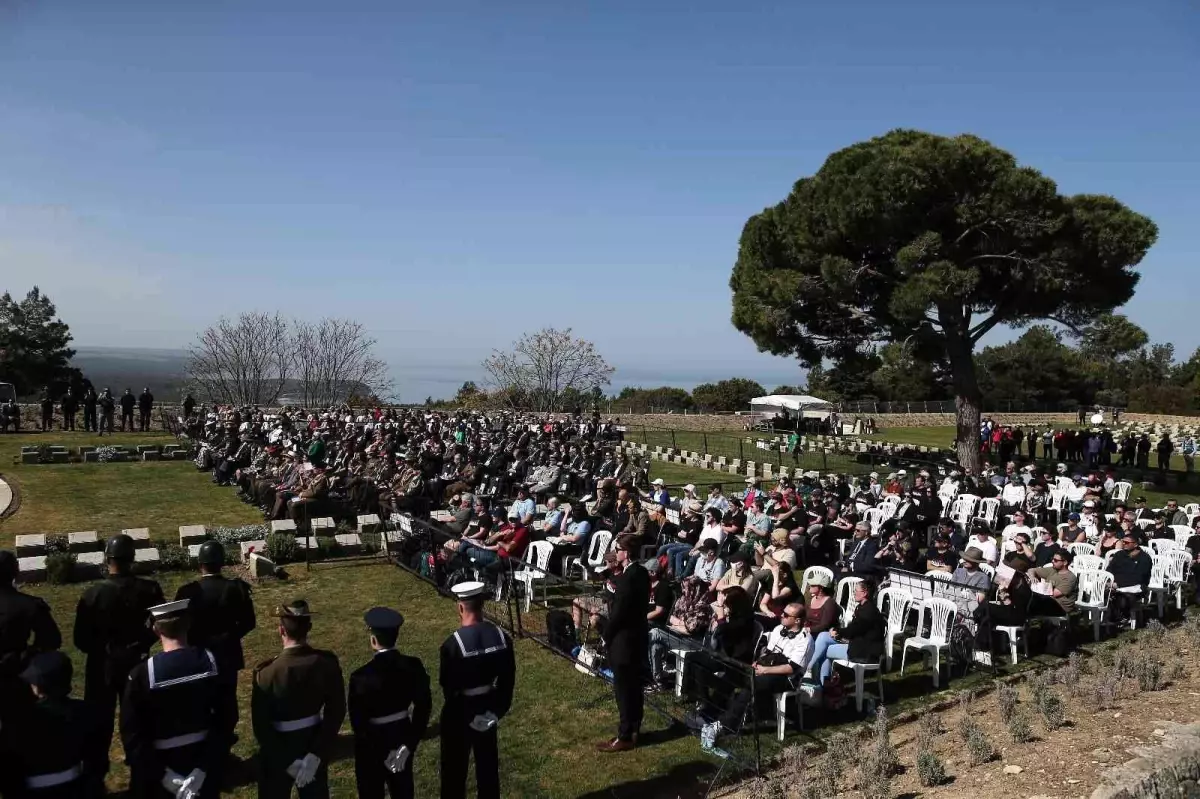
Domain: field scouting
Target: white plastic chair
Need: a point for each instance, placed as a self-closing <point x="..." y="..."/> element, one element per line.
<point x="1064" y="484"/>
<point x="988" y="510"/>
<point x="1015" y="636"/>
<point x="988" y="569"/>
<point x="899" y="602"/>
<point x="1182" y="534"/>
<point x="889" y="504"/>
<point x="1160" y="584"/>
<point x="963" y="509"/>
<point x="1160" y="546"/>
<point x="1095" y="591"/>
<point x="1082" y="563"/>
<point x="1121" y="491"/>
<point x="809" y="573"/>
<point x="1178" y="571"/>
<point x="1081" y="549"/>
<point x="875" y="517"/>
<point x="942" y="611"/>
<point x="597" y="546"/>
<point x="781" y="710"/>
<point x="537" y="556"/>
<point x="1192" y="508"/>
<point x="860" y="670"/>
<point x="845" y="597"/>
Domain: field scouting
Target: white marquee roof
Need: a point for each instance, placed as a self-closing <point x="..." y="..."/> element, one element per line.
<point x="792" y="402"/>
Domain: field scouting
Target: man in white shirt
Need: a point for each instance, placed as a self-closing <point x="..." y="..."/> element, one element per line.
<point x="982" y="540"/>
<point x="1018" y="526"/>
<point x="777" y="667"/>
<point x="524" y="507"/>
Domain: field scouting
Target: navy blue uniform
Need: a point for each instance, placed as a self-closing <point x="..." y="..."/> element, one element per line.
<point x="173" y="717"/>
<point x="478" y="674"/>
<point x="389" y="706"/>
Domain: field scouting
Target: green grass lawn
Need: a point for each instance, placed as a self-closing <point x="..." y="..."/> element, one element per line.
<point x="546" y="743"/>
<point x="109" y="497"/>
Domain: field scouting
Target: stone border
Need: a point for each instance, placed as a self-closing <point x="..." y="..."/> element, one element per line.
<point x="6" y="497"/>
<point x="14" y="499"/>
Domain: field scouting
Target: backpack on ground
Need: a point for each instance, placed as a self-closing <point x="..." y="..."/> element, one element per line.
<point x="1058" y="640"/>
<point x="560" y="631"/>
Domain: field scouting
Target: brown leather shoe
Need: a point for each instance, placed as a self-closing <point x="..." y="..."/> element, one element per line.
<point x="615" y="745"/>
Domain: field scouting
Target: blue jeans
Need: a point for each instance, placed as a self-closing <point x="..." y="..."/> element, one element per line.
<point x="480" y="557"/>
<point x="676" y="557"/>
<point x="825" y="650"/>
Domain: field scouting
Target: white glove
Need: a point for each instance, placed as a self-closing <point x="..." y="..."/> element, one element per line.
<point x="484" y="722"/>
<point x="304" y="771"/>
<point x="397" y="759"/>
<point x="192" y="785"/>
<point x="172" y="782"/>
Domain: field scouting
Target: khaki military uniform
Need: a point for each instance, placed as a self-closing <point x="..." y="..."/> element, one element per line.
<point x="298" y="705"/>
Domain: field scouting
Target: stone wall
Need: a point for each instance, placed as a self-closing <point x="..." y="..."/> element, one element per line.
<point x="727" y="422"/>
<point x="1170" y="769"/>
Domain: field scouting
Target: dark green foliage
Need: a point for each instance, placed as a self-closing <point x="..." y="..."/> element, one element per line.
<point x="727" y="395"/>
<point x="281" y="547"/>
<point x="932" y="240"/>
<point x="34" y="349"/>
<point x="1019" y="729"/>
<point x="57" y="543"/>
<point x="60" y="568"/>
<point x="172" y="557"/>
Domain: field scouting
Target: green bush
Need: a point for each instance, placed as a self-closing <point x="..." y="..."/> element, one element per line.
<point x="60" y="568"/>
<point x="1054" y="713"/>
<point x="978" y="745"/>
<point x="172" y="557"/>
<point x="45" y="454"/>
<point x="281" y="547"/>
<point x="1006" y="698"/>
<point x="1019" y="729"/>
<point x="1150" y="673"/>
<point x="930" y="768"/>
<point x="328" y="547"/>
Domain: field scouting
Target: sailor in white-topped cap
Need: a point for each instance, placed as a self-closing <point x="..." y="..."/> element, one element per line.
<point x="176" y="729"/>
<point x="478" y="673"/>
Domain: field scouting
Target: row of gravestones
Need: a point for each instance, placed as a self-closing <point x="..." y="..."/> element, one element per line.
<point x="750" y="468"/>
<point x="88" y="548"/>
<point x="144" y="452"/>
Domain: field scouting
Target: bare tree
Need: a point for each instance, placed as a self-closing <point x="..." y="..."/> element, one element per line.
<point x="334" y="361"/>
<point x="540" y="367"/>
<point x="242" y="361"/>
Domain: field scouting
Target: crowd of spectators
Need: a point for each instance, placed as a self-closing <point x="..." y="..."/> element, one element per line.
<point x="729" y="571"/>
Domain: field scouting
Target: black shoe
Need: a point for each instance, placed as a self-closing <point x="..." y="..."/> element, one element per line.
<point x="694" y="721"/>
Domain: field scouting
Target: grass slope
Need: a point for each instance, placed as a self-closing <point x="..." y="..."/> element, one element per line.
<point x="109" y="497"/>
<point x="546" y="742"/>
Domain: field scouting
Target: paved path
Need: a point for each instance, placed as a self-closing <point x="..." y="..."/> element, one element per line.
<point x="5" y="496"/>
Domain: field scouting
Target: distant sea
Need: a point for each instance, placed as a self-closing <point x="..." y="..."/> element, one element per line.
<point x="163" y="370"/>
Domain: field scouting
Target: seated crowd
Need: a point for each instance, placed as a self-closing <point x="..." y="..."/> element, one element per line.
<point x="729" y="572"/>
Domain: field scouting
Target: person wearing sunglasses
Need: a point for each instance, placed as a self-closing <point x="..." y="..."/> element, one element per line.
<point x="1055" y="587"/>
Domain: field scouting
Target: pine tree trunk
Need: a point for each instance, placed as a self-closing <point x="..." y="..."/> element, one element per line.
<point x="968" y="401"/>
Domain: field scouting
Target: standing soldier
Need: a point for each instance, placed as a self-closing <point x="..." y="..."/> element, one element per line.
<point x="47" y="403"/>
<point x="111" y="629"/>
<point x="222" y="614"/>
<point x="175" y="725"/>
<point x="298" y="704"/>
<point x="108" y="407"/>
<point x="478" y="673"/>
<point x="90" y="401"/>
<point x="54" y="749"/>
<point x="127" y="403"/>
<point x="389" y="709"/>
<point x="145" y="405"/>
<point x="22" y="617"/>
<point x="70" y="404"/>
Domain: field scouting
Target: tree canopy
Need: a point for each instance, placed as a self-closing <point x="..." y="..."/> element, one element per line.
<point x="34" y="344"/>
<point x="931" y="241"/>
<point x="727" y="395"/>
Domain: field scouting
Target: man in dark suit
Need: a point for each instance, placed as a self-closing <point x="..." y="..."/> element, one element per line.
<point x="860" y="553"/>
<point x="626" y="638"/>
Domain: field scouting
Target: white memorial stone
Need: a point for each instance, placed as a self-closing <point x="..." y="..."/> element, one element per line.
<point x="87" y="541"/>
<point x="192" y="534"/>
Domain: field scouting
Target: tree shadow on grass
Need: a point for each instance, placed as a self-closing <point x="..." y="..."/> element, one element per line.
<point x="685" y="781"/>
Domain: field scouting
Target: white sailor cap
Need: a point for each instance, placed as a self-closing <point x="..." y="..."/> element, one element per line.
<point x="169" y="610"/>
<point x="469" y="589"/>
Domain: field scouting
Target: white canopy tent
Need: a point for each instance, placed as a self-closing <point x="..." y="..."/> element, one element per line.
<point x="795" y="403"/>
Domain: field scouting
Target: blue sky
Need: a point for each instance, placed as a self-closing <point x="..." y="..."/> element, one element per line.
<point x="456" y="173"/>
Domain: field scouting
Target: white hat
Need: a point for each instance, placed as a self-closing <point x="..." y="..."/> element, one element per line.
<point x="658" y="482"/>
<point x="751" y="481"/>
<point x="1089" y="504"/>
<point x="874" y="474"/>
<point x="689" y="487"/>
<point x="901" y="472"/>
<point x="469" y="589"/>
<point x="169" y="609"/>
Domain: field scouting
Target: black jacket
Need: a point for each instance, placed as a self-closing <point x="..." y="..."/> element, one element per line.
<point x="1130" y="570"/>
<point x="865" y="633"/>
<point x="389" y="683"/>
<point x="626" y="634"/>
<point x="23" y="617"/>
<point x="222" y="614"/>
<point x="862" y="562"/>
